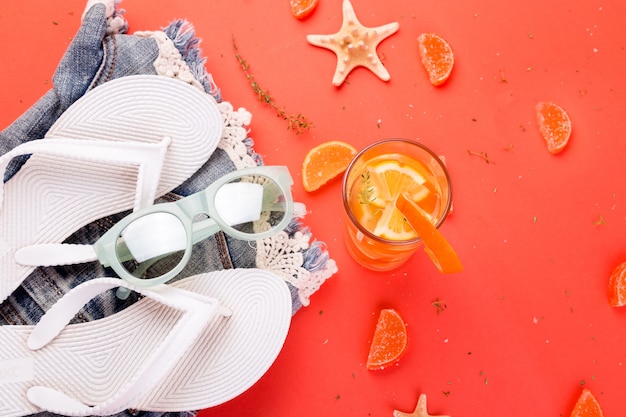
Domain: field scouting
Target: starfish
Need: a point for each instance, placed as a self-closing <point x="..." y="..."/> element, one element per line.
<point x="420" y="409"/>
<point x="355" y="45"/>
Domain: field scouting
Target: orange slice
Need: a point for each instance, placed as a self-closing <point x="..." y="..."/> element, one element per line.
<point x="587" y="406"/>
<point x="324" y="162"/>
<point x="617" y="286"/>
<point x="554" y="125"/>
<point x="389" y="342"/>
<point x="388" y="179"/>
<point x="302" y="8"/>
<point x="437" y="57"/>
<point x="436" y="246"/>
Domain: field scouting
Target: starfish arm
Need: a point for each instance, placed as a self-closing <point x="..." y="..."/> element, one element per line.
<point x="355" y="45"/>
<point x="383" y="32"/>
<point x="324" y="41"/>
<point x="420" y="409"/>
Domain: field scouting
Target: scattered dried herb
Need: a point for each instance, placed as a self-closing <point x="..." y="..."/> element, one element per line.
<point x="600" y="221"/>
<point x="482" y="155"/>
<point x="440" y="305"/>
<point x="297" y="122"/>
<point x="502" y="77"/>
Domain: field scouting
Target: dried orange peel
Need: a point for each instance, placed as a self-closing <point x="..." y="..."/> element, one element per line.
<point x="435" y="244"/>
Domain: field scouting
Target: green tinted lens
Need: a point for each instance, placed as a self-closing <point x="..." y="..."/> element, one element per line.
<point x="152" y="245"/>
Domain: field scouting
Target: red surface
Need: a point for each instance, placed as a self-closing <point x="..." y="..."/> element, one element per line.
<point x="528" y="321"/>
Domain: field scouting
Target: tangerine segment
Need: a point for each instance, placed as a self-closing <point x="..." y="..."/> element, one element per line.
<point x="302" y="8"/>
<point x="324" y="162"/>
<point x="437" y="57"/>
<point x="617" y="286"/>
<point x="389" y="342"/>
<point x="587" y="406"/>
<point x="554" y="124"/>
<point x="436" y="246"/>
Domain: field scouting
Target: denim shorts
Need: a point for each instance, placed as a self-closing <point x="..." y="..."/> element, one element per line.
<point x="95" y="56"/>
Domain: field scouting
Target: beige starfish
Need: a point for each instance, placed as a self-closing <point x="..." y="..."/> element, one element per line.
<point x="355" y="45"/>
<point x="420" y="409"/>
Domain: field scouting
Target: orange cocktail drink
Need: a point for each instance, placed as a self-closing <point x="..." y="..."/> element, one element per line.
<point x="377" y="234"/>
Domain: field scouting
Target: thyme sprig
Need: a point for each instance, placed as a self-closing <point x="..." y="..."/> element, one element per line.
<point x="366" y="194"/>
<point x="296" y="121"/>
<point x="482" y="155"/>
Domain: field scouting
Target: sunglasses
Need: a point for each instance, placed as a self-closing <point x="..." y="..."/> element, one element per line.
<point x="152" y="245"/>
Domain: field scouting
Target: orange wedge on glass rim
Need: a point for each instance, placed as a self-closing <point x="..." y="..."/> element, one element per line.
<point x="435" y="244"/>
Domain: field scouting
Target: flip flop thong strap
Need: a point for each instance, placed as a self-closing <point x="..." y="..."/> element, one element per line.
<point x="148" y="157"/>
<point x="197" y="310"/>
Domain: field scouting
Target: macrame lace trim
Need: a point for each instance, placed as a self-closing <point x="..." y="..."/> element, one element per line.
<point x="286" y="254"/>
<point x="170" y="62"/>
<point x="289" y="254"/>
<point x="235" y="141"/>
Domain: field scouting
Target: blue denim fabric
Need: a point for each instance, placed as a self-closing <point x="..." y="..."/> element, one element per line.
<point x="94" y="58"/>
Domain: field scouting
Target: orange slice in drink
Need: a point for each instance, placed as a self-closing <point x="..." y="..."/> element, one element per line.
<point x="554" y="124"/>
<point x="302" y="8"/>
<point x="587" y="406"/>
<point x="324" y="162"/>
<point x="389" y="342"/>
<point x="436" y="246"/>
<point x="617" y="286"/>
<point x="437" y="57"/>
<point x="387" y="180"/>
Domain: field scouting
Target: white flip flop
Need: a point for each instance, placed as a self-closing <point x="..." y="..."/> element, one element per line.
<point x="117" y="148"/>
<point x="186" y="346"/>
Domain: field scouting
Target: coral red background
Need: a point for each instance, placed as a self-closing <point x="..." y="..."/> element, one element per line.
<point x="527" y="324"/>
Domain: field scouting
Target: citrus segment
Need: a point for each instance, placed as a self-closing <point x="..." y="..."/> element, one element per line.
<point x="302" y="8"/>
<point x="617" y="286"/>
<point x="437" y="57"/>
<point x="436" y="246"/>
<point x="389" y="341"/>
<point x="389" y="179"/>
<point x="587" y="406"/>
<point x="324" y="162"/>
<point x="391" y="225"/>
<point x="554" y="124"/>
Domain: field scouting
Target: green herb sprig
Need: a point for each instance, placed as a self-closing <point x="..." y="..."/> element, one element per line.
<point x="366" y="195"/>
<point x="296" y="122"/>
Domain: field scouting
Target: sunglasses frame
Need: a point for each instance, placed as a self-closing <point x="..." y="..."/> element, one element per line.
<point x="186" y="209"/>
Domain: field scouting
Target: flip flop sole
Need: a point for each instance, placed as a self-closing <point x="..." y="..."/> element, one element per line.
<point x="53" y="196"/>
<point x="91" y="361"/>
